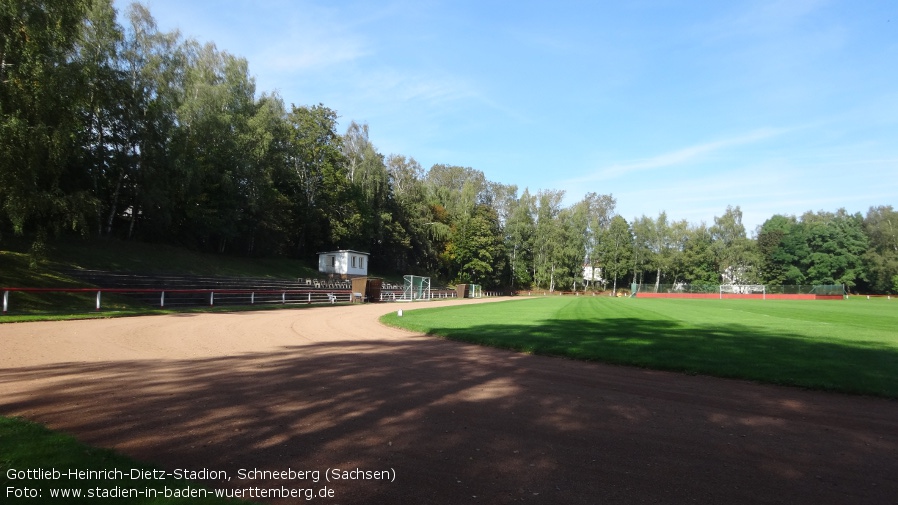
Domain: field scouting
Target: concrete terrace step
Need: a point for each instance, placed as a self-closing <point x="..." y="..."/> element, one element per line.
<point x="105" y="279"/>
<point x="313" y="290"/>
<point x="261" y="289"/>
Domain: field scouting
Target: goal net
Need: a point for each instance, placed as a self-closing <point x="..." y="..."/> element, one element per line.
<point x="476" y="291"/>
<point x="416" y="288"/>
<point x="829" y="289"/>
<point x="733" y="290"/>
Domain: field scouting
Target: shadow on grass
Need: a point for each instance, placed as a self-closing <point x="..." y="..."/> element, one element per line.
<point x="456" y="422"/>
<point x="729" y="350"/>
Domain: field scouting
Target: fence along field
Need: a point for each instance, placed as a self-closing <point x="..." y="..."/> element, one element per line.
<point x="849" y="347"/>
<point x="744" y="291"/>
<point x="198" y="297"/>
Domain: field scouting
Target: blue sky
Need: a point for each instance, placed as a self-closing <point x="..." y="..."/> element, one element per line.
<point x="778" y="107"/>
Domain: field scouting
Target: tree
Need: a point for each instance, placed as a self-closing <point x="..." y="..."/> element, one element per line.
<point x="419" y="234"/>
<point x="103" y="111"/>
<point x="42" y="188"/>
<point x="645" y="255"/>
<point x="215" y="152"/>
<point x="268" y="210"/>
<point x="699" y="263"/>
<point x="154" y="65"/>
<point x="881" y="257"/>
<point x="406" y="176"/>
<point x="370" y="181"/>
<point x="659" y="244"/>
<point x="784" y="247"/>
<point x="775" y="259"/>
<point x="355" y="146"/>
<point x="735" y="253"/>
<point x="572" y="249"/>
<point x="820" y="248"/>
<point x="520" y="228"/>
<point x="476" y="250"/>
<point x="616" y="249"/>
<point x="678" y="235"/>
<point x="458" y="189"/>
<point x="547" y="238"/>
<point x="599" y="210"/>
<point x="317" y="179"/>
<point x="836" y="244"/>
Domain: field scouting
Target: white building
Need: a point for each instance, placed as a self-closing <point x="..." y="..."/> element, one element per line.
<point x="591" y="274"/>
<point x="344" y="263"/>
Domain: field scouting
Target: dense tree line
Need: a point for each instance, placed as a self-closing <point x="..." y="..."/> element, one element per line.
<point x="134" y="133"/>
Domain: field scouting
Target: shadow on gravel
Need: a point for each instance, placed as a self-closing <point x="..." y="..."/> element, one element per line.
<point x="461" y="425"/>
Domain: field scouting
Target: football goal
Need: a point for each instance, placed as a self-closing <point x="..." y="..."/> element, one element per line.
<point x="416" y="288"/>
<point x="731" y="290"/>
<point x="475" y="291"/>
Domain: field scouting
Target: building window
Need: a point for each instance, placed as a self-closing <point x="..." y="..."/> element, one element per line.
<point x="361" y="262"/>
<point x="333" y="261"/>
<point x="353" y="262"/>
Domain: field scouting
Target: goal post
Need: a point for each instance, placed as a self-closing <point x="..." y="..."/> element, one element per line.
<point x="416" y="288"/>
<point x="731" y="290"/>
<point x="476" y="291"/>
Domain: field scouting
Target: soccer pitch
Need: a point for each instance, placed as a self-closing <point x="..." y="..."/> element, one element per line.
<point x="846" y="346"/>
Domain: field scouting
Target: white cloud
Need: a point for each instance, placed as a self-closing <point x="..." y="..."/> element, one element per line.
<point x="303" y="54"/>
<point x="307" y="41"/>
<point x="761" y="18"/>
<point x="677" y="157"/>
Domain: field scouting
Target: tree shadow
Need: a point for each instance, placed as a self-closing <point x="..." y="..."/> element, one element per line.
<point x="722" y="350"/>
<point x="463" y="424"/>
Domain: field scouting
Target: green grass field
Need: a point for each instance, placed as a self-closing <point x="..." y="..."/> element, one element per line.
<point x="846" y="346"/>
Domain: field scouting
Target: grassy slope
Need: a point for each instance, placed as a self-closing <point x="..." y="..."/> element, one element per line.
<point x="841" y="346"/>
<point x="16" y="271"/>
<point x="125" y="256"/>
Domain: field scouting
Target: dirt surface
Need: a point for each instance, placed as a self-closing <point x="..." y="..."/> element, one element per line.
<point x="330" y="388"/>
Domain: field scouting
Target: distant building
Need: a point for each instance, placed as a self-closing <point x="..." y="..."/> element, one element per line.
<point x="592" y="274"/>
<point x="344" y="263"/>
